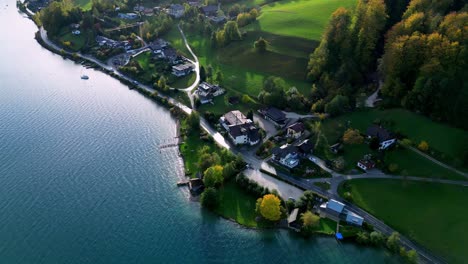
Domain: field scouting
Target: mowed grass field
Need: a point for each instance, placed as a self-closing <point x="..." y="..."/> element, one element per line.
<point x="432" y="214"/>
<point x="299" y="18"/>
<point x="236" y="204"/>
<point x="448" y="140"/>
<point x="84" y="4"/>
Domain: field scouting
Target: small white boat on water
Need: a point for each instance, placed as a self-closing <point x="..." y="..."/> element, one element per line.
<point x="84" y="77"/>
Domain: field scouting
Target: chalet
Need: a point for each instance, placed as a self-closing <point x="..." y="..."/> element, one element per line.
<point x="217" y="19"/>
<point x="366" y="164"/>
<point x="240" y="129"/>
<point x="274" y="115"/>
<point x="148" y="12"/>
<point x="385" y="137"/>
<point x="138" y="8"/>
<point x="287" y="155"/>
<point x="206" y="92"/>
<point x="176" y="10"/>
<point x="295" y="130"/>
<point x="158" y="45"/>
<point x="336" y="210"/>
<point x="171" y="55"/>
<point x="182" y="69"/>
<point x="209" y="10"/>
<point x="306" y="147"/>
<point x="128" y="16"/>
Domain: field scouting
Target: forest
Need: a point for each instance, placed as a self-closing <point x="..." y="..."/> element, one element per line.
<point x="417" y="49"/>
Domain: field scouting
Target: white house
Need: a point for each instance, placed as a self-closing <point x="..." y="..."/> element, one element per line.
<point x="206" y="92"/>
<point x="240" y="129"/>
<point x="365" y="164"/>
<point x="182" y="69"/>
<point x="385" y="137"/>
<point x="287" y="155"/>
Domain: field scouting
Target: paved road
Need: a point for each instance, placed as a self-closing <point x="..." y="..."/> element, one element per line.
<point x="370" y="101"/>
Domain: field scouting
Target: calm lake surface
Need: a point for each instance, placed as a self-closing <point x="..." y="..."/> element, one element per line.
<point x="82" y="179"/>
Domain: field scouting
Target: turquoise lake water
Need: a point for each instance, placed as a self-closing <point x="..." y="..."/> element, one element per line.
<point x="82" y="179"/>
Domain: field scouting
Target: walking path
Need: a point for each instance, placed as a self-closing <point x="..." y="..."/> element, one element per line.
<point x="370" y="101"/>
<point x="438" y="162"/>
<point x="189" y="89"/>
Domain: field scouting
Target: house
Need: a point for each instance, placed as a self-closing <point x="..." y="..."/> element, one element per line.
<point x="306" y="147"/>
<point x="128" y="16"/>
<point x="292" y="220"/>
<point x="193" y="3"/>
<point x="176" y="10"/>
<point x="240" y="129"/>
<point x="353" y="218"/>
<point x="75" y="26"/>
<point x="385" y="137"/>
<point x="336" y="148"/>
<point x="209" y="10"/>
<point x="107" y="42"/>
<point x="366" y="164"/>
<point x="295" y="130"/>
<point x="182" y="69"/>
<point x="158" y="45"/>
<point x="76" y="32"/>
<point x="171" y="55"/>
<point x="138" y="8"/>
<point x="336" y="210"/>
<point x="206" y="92"/>
<point x="274" y="115"/>
<point x="287" y="155"/>
<point x="217" y="19"/>
<point x="196" y="186"/>
<point x="148" y="12"/>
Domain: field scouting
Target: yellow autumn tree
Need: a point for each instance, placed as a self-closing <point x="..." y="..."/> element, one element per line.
<point x="423" y="146"/>
<point x="270" y="207"/>
<point x="310" y="220"/>
<point x="352" y="136"/>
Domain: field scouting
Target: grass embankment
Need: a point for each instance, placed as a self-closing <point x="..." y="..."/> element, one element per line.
<point x="85" y="5"/>
<point x="432" y="214"/>
<point x="236" y="204"/>
<point x="442" y="138"/>
<point x="304" y="18"/>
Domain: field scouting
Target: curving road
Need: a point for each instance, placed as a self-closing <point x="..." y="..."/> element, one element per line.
<point x="189" y="89"/>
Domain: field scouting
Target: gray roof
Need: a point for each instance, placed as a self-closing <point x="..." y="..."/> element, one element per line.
<point x="336" y="206"/>
<point x="275" y="114"/>
<point x="235" y="117"/>
<point x="379" y="132"/>
<point x="293" y="216"/>
<point x="284" y="150"/>
<point x="297" y="127"/>
<point x="306" y="146"/>
<point x="354" y="218"/>
<point x="209" y="9"/>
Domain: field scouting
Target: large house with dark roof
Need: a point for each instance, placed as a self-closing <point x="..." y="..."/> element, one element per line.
<point x="274" y="115"/>
<point x="295" y="130"/>
<point x="385" y="137"/>
<point x="240" y="129"/>
<point x="209" y="10"/>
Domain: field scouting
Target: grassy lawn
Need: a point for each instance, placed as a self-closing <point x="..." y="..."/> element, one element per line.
<point x="441" y="137"/>
<point x="299" y="18"/>
<point x="244" y="69"/>
<point x="326" y="226"/>
<point x="184" y="82"/>
<point x="412" y="164"/>
<point x="174" y="37"/>
<point x="236" y="204"/>
<point x="84" y="4"/>
<point x="324" y="185"/>
<point x="189" y="150"/>
<point x="220" y="105"/>
<point x="433" y="214"/>
<point x="77" y="41"/>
